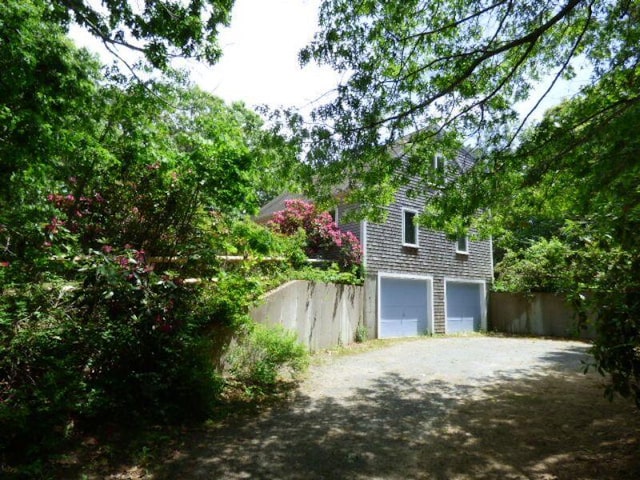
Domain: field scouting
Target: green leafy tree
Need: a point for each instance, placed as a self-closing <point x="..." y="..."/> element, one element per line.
<point x="160" y="29"/>
<point x="451" y="71"/>
<point x="580" y="183"/>
<point x="424" y="77"/>
<point x="542" y="267"/>
<point x="115" y="193"/>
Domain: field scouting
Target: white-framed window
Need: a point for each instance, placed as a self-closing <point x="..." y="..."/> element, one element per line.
<point x="462" y="245"/>
<point x="409" y="228"/>
<point x="439" y="162"/>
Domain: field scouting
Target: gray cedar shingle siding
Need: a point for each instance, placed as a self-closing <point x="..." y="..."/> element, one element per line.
<point x="353" y="227"/>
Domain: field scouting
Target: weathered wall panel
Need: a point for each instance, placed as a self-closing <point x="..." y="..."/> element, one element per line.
<point x="323" y="315"/>
<point x="543" y="314"/>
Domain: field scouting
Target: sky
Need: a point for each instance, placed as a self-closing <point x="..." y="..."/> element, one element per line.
<point x="260" y="59"/>
<point x="260" y="55"/>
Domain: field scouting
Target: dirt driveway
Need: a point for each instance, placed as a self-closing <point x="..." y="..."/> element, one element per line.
<point x="434" y="408"/>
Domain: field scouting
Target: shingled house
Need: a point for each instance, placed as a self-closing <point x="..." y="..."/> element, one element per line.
<point x="417" y="280"/>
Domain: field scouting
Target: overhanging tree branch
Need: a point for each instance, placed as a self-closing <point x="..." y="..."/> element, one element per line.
<point x="529" y="38"/>
<point x="557" y="76"/>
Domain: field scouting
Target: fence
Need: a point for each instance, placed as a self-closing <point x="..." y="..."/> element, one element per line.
<point x="542" y="314"/>
<point x="323" y="315"/>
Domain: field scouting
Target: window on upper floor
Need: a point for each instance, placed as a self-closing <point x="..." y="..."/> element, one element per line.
<point x="439" y="163"/>
<point x="462" y="245"/>
<point x="409" y="228"/>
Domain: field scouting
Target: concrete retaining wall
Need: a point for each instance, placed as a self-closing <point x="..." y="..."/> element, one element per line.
<point x="543" y="314"/>
<point x="323" y="315"/>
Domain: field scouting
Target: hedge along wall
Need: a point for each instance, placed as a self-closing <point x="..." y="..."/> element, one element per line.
<point x="323" y="315"/>
<point x="544" y="314"/>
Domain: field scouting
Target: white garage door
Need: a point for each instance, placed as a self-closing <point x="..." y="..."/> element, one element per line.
<point x="404" y="307"/>
<point x="464" y="307"/>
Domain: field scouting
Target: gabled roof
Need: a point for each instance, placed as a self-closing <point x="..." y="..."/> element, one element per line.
<point x="275" y="205"/>
<point x="463" y="161"/>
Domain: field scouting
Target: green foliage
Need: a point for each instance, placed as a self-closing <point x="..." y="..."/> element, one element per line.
<point x="37" y="366"/>
<point x="249" y="238"/>
<point x="124" y="345"/>
<point x="143" y="340"/>
<point x="232" y="295"/>
<point x="609" y="285"/>
<point x="362" y="334"/>
<point x="543" y="267"/>
<point x="47" y="101"/>
<point x="118" y="199"/>
<point x="161" y="29"/>
<point x="263" y="354"/>
<point x="295" y="249"/>
<point x="442" y="66"/>
<point x="330" y="274"/>
<point x="578" y="181"/>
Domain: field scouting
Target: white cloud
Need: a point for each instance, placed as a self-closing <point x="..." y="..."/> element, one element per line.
<point x="260" y="56"/>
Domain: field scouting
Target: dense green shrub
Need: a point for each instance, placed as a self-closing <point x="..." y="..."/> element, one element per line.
<point x="543" y="267"/>
<point x="124" y="345"/>
<point x="112" y="337"/>
<point x="118" y="199"/>
<point x="264" y="249"/>
<point x="330" y="273"/>
<point x="263" y="354"/>
<point x="110" y="281"/>
<point x="39" y="380"/>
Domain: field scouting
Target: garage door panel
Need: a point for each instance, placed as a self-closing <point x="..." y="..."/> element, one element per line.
<point x="399" y="291"/>
<point x="462" y="324"/>
<point x="400" y="328"/>
<point x="403" y="307"/>
<point x="404" y="313"/>
<point x="464" y="307"/>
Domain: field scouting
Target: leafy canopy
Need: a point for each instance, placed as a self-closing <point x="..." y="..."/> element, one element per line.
<point x="160" y="29"/>
<point x="453" y="71"/>
<point x="575" y="182"/>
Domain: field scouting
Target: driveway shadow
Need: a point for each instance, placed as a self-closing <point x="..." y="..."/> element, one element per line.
<point x="550" y="425"/>
<point x="322" y="438"/>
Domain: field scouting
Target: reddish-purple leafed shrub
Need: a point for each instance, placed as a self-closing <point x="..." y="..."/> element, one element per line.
<point x="324" y="238"/>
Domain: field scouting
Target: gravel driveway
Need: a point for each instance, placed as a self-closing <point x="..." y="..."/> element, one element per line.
<point x="434" y="408"/>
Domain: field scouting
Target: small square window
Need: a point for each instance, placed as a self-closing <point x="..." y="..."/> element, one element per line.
<point x="409" y="228"/>
<point x="462" y="245"/>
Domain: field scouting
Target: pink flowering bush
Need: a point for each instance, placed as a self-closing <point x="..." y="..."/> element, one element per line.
<point x="98" y="324"/>
<point x="324" y="238"/>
